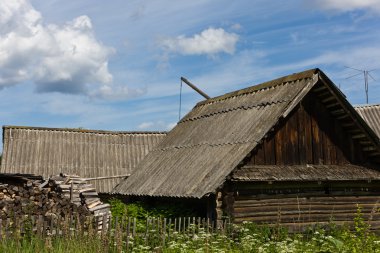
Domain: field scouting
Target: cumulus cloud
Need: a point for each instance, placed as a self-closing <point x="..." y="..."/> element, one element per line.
<point x="349" y="5"/>
<point x="66" y="58"/>
<point x="210" y="42"/>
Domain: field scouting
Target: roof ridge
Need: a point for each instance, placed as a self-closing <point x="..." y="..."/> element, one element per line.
<point x="79" y="130"/>
<point x="367" y="105"/>
<point x="261" y="86"/>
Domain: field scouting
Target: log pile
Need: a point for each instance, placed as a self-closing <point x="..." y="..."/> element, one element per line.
<point x="80" y="193"/>
<point x="58" y="196"/>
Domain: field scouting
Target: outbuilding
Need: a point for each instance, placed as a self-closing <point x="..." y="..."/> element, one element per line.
<point x="104" y="156"/>
<point x="292" y="151"/>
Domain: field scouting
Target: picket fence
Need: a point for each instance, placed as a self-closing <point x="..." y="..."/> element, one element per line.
<point x="126" y="227"/>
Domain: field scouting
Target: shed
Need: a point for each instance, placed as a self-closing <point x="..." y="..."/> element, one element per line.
<point x="107" y="156"/>
<point x="291" y="150"/>
<point x="371" y="115"/>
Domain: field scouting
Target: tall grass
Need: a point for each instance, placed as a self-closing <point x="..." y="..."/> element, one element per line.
<point x="247" y="237"/>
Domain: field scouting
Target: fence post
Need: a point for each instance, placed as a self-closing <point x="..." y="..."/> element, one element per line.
<point x="104" y="225"/>
<point x="134" y="227"/>
<point x="164" y="233"/>
<point x="146" y="228"/>
<point x="128" y="229"/>
<point x="169" y="227"/>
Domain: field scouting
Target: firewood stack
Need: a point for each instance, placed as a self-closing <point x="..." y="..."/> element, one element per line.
<point x="58" y="196"/>
<point x="80" y="193"/>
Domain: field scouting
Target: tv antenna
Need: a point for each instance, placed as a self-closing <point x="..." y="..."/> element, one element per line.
<point x="366" y="74"/>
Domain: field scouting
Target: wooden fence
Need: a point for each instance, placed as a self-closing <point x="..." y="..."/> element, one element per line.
<point x="127" y="227"/>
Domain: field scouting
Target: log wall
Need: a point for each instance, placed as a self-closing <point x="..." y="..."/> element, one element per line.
<point x="302" y="205"/>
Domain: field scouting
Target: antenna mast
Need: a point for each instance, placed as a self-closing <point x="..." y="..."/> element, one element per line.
<point x="366" y="74"/>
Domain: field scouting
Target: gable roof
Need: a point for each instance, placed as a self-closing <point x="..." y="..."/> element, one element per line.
<point x="88" y="153"/>
<point x="195" y="157"/>
<point x="371" y="115"/>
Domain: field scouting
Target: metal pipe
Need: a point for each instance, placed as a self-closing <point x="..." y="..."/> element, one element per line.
<point x="195" y="88"/>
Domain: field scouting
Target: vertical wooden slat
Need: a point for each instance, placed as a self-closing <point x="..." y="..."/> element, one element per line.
<point x="169" y="228"/>
<point x="164" y="232"/>
<point x="128" y="233"/>
<point x="279" y="141"/>
<point x="134" y="227"/>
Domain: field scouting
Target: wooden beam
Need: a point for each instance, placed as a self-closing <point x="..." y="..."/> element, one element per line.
<point x="369" y="148"/>
<point x="358" y="136"/>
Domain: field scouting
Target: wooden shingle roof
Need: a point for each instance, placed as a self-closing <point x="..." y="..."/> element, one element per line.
<point x="87" y="153"/>
<point x="196" y="157"/>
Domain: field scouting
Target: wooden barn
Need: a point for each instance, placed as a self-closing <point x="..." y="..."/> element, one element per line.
<point x="371" y="115"/>
<point x="106" y="156"/>
<point x="289" y="151"/>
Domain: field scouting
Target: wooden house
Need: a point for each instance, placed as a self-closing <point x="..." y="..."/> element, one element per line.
<point x="105" y="156"/>
<point x="289" y="151"/>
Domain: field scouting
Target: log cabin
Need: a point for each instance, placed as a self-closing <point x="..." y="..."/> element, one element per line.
<point x="104" y="156"/>
<point x="292" y="151"/>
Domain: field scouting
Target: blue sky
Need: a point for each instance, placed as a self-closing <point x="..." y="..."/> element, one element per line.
<point x="116" y="65"/>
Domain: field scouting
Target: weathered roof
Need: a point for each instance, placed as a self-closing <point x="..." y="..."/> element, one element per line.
<point x="310" y="172"/>
<point x="88" y="153"/>
<point x="371" y="115"/>
<point x="195" y="157"/>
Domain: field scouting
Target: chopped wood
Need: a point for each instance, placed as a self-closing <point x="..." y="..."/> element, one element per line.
<point x="63" y="195"/>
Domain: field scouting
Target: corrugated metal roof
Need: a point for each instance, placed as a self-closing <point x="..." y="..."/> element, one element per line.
<point x="88" y="153"/>
<point x="196" y="157"/>
<point x="310" y="172"/>
<point x="371" y="115"/>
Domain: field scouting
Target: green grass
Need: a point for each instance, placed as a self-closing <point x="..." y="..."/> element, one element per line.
<point x="247" y="237"/>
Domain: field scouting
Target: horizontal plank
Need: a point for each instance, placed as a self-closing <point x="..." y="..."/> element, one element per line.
<point x="308" y="206"/>
<point x="301" y="199"/>
<point x="322" y="217"/>
<point x="283" y="213"/>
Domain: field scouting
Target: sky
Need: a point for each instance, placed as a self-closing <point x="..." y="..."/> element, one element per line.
<point x="116" y="65"/>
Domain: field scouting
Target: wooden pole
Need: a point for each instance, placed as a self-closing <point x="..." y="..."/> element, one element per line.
<point x="195" y="88"/>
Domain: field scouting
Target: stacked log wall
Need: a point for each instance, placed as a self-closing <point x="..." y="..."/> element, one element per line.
<point x="299" y="206"/>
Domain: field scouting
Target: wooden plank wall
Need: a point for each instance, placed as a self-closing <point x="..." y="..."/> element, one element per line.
<point x="310" y="135"/>
<point x="298" y="207"/>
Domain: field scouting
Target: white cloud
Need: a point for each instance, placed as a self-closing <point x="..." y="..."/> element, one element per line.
<point x="145" y="125"/>
<point x="156" y="125"/>
<point x="66" y="58"/>
<point x="349" y="5"/>
<point x="210" y="42"/>
<point x="117" y="92"/>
